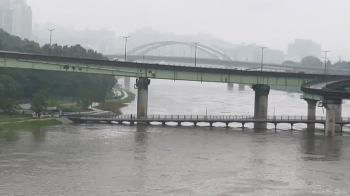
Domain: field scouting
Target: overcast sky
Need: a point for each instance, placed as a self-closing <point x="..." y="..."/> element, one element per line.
<point x="273" y="23"/>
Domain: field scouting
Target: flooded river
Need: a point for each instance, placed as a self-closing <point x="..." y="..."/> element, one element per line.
<point x="171" y="160"/>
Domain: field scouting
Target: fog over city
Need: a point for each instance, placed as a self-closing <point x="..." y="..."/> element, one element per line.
<point x="272" y="23"/>
<point x="174" y="97"/>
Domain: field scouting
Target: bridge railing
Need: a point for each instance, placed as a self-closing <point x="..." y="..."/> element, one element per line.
<point x="207" y="118"/>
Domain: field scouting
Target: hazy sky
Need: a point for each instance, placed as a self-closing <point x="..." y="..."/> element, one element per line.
<point x="273" y="23"/>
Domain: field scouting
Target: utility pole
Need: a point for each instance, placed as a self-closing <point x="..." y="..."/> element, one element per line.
<point x="325" y="61"/>
<point x="195" y="53"/>
<point x="126" y="42"/>
<point x="50" y="40"/>
<point x="262" y="57"/>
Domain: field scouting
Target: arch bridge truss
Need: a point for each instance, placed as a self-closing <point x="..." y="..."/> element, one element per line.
<point x="146" y="48"/>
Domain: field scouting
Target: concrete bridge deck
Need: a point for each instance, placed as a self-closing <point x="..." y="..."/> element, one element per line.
<point x="195" y="119"/>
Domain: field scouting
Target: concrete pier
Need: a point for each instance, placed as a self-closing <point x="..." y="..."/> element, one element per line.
<point x="230" y="86"/>
<point x="338" y="117"/>
<point x="311" y="113"/>
<point x="331" y="108"/>
<point x="127" y="82"/>
<point x="241" y="87"/>
<point x="142" y="96"/>
<point x="261" y="102"/>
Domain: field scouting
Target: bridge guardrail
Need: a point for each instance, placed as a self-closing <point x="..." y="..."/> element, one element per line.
<point x="205" y="117"/>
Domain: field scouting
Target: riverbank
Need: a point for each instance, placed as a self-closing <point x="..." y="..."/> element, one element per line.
<point x="25" y="122"/>
<point x="68" y="104"/>
<point x="115" y="105"/>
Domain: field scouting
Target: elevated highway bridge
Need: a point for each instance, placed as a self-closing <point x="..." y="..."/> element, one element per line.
<point x="231" y="64"/>
<point x="259" y="80"/>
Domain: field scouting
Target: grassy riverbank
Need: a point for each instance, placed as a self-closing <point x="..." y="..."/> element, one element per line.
<point x="24" y="122"/>
<point x="67" y="104"/>
<point x="115" y="105"/>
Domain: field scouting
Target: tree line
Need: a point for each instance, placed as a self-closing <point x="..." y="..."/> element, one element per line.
<point x="316" y="62"/>
<point x="20" y="84"/>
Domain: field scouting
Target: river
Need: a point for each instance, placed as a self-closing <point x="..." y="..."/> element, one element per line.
<point x="156" y="161"/>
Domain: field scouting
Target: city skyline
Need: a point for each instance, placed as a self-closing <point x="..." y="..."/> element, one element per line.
<point x="273" y="23"/>
<point x="16" y="18"/>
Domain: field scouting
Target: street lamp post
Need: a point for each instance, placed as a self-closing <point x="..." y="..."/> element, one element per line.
<point x="195" y="53"/>
<point x="325" y="61"/>
<point x="126" y="42"/>
<point x="50" y="40"/>
<point x="262" y="57"/>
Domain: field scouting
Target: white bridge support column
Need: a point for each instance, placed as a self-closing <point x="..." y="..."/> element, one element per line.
<point x="230" y="86"/>
<point x="330" y="118"/>
<point x="241" y="87"/>
<point x="142" y="96"/>
<point x="127" y="82"/>
<point x="338" y="117"/>
<point x="311" y="113"/>
<point x="261" y="104"/>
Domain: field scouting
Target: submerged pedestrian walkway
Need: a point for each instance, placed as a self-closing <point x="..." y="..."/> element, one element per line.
<point x="195" y="119"/>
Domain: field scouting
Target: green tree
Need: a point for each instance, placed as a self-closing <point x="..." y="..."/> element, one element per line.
<point x="311" y="61"/>
<point x="290" y="63"/>
<point x="24" y="84"/>
<point x="8" y="105"/>
<point x="39" y="103"/>
<point x="9" y="90"/>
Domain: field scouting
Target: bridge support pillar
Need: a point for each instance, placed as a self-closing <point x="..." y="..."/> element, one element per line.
<point x="261" y="102"/>
<point x="230" y="86"/>
<point x="311" y="113"/>
<point x="127" y="82"/>
<point x="338" y="117"/>
<point x="330" y="118"/>
<point x="142" y="96"/>
<point x="241" y="87"/>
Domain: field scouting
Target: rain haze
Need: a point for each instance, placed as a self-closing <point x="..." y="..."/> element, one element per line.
<point x="272" y="23"/>
<point x="174" y="97"/>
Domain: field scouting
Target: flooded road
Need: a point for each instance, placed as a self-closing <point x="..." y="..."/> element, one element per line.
<point x="171" y="160"/>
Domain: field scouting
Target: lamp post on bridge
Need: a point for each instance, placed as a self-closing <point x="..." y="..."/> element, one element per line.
<point x="325" y="61"/>
<point x="195" y="53"/>
<point x="50" y="40"/>
<point x="262" y="57"/>
<point x="126" y="42"/>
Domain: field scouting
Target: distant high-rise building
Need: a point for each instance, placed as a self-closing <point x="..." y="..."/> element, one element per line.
<point x="6" y="20"/>
<point x="302" y="48"/>
<point x="16" y="18"/>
